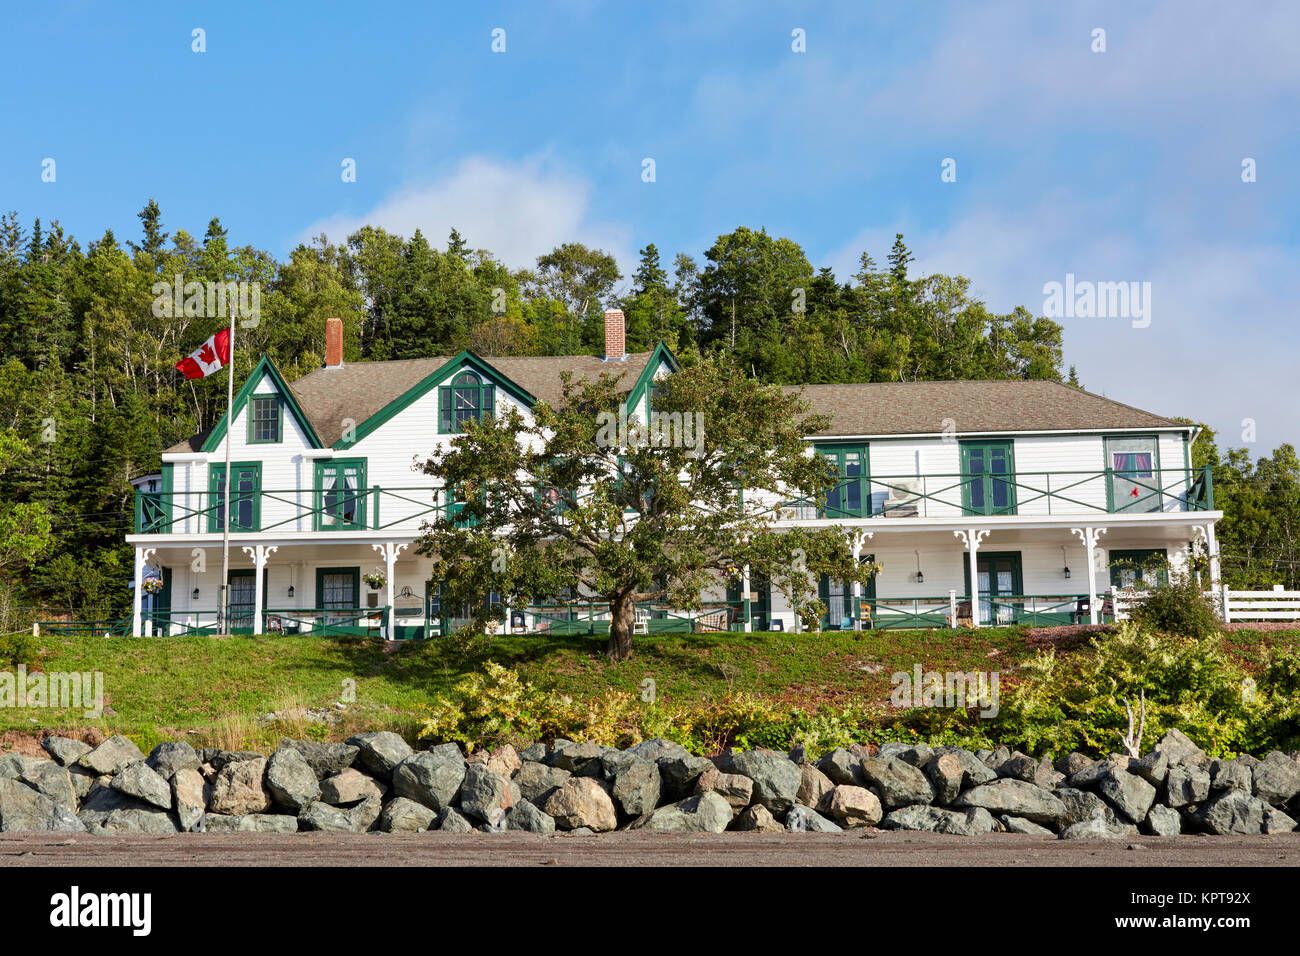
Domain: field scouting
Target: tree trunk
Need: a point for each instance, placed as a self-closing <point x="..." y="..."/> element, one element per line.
<point x="622" y="618"/>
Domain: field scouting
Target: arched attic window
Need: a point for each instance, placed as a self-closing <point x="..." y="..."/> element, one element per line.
<point x="467" y="398"/>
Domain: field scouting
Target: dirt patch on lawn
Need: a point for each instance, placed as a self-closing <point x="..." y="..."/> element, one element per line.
<point x="29" y="744"/>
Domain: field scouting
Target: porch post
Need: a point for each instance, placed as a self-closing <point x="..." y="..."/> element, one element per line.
<point x="137" y="600"/>
<point x="744" y="598"/>
<point x="390" y="550"/>
<point x="259" y="553"/>
<point x="1216" y="588"/>
<point x="856" y="540"/>
<point x="1089" y="538"/>
<point x="971" y="538"/>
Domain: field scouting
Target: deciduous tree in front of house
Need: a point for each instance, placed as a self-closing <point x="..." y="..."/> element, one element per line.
<point x="579" y="502"/>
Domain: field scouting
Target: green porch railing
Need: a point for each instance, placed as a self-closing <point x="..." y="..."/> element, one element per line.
<point x="1038" y="493"/>
<point x="119" y="627"/>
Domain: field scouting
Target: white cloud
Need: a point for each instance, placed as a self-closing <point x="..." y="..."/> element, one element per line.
<point x="516" y="210"/>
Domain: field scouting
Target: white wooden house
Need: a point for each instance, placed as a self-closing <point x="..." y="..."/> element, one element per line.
<point x="1041" y="493"/>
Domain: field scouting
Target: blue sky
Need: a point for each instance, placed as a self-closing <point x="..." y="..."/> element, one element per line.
<point x="1123" y="165"/>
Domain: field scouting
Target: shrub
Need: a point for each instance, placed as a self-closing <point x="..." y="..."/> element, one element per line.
<point x="1177" y="607"/>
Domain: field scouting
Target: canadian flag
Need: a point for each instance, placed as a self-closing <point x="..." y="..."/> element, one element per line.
<point x="209" y="357"/>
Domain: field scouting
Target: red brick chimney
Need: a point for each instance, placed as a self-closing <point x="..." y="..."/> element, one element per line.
<point x="333" y="343"/>
<point x="615" y="349"/>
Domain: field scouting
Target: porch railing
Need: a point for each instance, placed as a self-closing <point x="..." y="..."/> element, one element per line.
<point x="1036" y="493"/>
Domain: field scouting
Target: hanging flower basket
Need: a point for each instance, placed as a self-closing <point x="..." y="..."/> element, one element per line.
<point x="151" y="585"/>
<point x="375" y="579"/>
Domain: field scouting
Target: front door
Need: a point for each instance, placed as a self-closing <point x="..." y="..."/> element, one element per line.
<point x="999" y="579"/>
<point x="338" y="595"/>
<point x="158" y="610"/>
<point x="243" y="591"/>
<point x="841" y="610"/>
<point x="988" y="478"/>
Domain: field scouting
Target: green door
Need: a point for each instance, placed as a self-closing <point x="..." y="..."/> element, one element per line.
<point x="338" y="595"/>
<point x="849" y="496"/>
<point x="243" y="590"/>
<point x="841" y="609"/>
<point x="1147" y="568"/>
<point x="160" y="605"/>
<point x="1000" y="577"/>
<point x="988" y="478"/>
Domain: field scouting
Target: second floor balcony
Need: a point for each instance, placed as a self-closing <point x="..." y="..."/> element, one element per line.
<point x="346" y="508"/>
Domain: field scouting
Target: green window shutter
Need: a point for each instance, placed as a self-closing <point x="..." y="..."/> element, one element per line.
<point x="444" y="410"/>
<point x="340" y="495"/>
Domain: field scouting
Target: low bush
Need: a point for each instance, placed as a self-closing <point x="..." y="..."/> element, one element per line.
<point x="1177" y="607"/>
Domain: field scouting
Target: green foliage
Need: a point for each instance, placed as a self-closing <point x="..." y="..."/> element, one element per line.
<point x="17" y="648"/>
<point x="1177" y="607"/>
<point x="1061" y="704"/>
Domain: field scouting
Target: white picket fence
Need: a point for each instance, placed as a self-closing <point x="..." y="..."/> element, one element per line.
<point x="1274" y="605"/>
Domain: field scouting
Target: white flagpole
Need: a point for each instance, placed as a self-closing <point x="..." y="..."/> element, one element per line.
<point x="223" y="602"/>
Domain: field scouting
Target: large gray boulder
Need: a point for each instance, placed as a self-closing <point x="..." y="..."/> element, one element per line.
<point x="758" y="819"/>
<point x="1129" y="794"/>
<point x="485" y="794"/>
<point x="842" y="767"/>
<point x="896" y="782"/>
<point x="23" y="808"/>
<point x="706" y="812"/>
<point x="971" y="822"/>
<point x="736" y="789"/>
<point x="1231" y="811"/>
<point x="402" y="815"/>
<point x="776" y="777"/>
<point x="381" y="751"/>
<point x="524" y="816"/>
<point x="1024" y="827"/>
<point x="678" y="773"/>
<point x="973" y="770"/>
<point x="801" y="819"/>
<point x="52" y="779"/>
<point x="1235" y="774"/>
<point x="324" y="759"/>
<point x="575" y="757"/>
<point x="1275" y="821"/>
<point x="433" y="778"/>
<point x="188" y="797"/>
<point x="238" y="790"/>
<point x="291" y="780"/>
<point x="1179" y="750"/>
<point x="635" y="787"/>
<point x="251" y="823"/>
<point x="1092" y="775"/>
<point x="135" y="820"/>
<point x="656" y="748"/>
<point x="944" y="771"/>
<point x="1162" y="821"/>
<point x="111" y="756"/>
<point x="1277" y="779"/>
<point x="851" y="806"/>
<point x="65" y="750"/>
<point x="171" y="756"/>
<point x="1153" y="768"/>
<point x="321" y="816"/>
<point x="450" y="820"/>
<point x="1186" y="784"/>
<point x="537" y="781"/>
<point x="349" y="787"/>
<point x="1017" y="798"/>
<point x="582" y="802"/>
<point x="1083" y="805"/>
<point x="813" y="785"/>
<point x="918" y="755"/>
<point x="1098" y="829"/>
<point x="139" y="780"/>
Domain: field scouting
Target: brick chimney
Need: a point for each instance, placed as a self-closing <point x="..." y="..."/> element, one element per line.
<point x="333" y="343"/>
<point x="615" y="350"/>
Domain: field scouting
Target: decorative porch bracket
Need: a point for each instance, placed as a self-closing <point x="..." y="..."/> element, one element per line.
<point x="971" y="538"/>
<point x="857" y="538"/>
<point x="389" y="550"/>
<point x="260" y="553"/>
<point x="1089" y="538"/>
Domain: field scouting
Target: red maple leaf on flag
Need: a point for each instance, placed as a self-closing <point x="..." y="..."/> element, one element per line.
<point x="206" y="354"/>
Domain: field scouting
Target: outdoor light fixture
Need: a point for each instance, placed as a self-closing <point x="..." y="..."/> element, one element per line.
<point x="920" y="578"/>
<point x="1066" y="562"/>
<point x="196" y="594"/>
<point x="290" y="590"/>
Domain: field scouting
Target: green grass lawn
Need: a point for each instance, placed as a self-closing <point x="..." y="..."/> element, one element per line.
<point x="215" y="690"/>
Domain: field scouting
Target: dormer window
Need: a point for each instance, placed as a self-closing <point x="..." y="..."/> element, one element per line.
<point x="467" y="398"/>
<point x="265" y="419"/>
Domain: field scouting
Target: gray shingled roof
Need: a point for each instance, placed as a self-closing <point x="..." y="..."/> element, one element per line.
<point x="919" y="408"/>
<point x="359" y="389"/>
